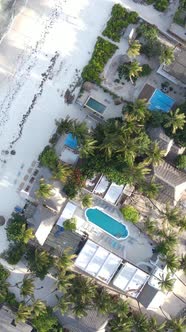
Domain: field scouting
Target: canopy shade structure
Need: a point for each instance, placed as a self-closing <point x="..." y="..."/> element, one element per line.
<point x="67" y="213"/>
<point x="98" y="262"/>
<point x="102" y="186"/>
<point x="113" y="193"/>
<point x="130" y="279"/>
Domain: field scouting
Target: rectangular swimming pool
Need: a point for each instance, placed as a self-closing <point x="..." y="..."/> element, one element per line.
<point x="95" y="105"/>
<point x="159" y="101"/>
<point x="108" y="224"/>
<point x="71" y="141"/>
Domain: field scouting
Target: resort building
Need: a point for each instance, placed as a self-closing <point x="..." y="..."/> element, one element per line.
<point x="172" y="151"/>
<point x="122" y="276"/>
<point x="176" y="71"/>
<point x="172" y="183"/>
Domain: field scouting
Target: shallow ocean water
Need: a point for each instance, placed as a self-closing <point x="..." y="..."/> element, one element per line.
<point x="8" y="9"/>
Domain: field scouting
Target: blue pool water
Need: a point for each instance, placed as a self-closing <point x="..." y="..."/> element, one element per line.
<point x="71" y="141"/>
<point x="160" y="101"/>
<point x="95" y="105"/>
<point x="107" y="223"/>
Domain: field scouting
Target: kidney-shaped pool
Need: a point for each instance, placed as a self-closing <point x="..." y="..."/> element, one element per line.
<point x="107" y="223"/>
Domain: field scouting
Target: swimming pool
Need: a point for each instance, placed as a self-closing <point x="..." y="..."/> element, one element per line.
<point x="95" y="105"/>
<point x="160" y="101"/>
<point x="107" y="223"/>
<point x="71" y="141"/>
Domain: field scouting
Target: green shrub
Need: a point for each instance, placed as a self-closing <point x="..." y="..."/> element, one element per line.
<point x="14" y="253"/>
<point x="119" y="20"/>
<point x="103" y="51"/>
<point x="181" y="161"/>
<point x="130" y="213"/>
<point x="146" y="70"/>
<point x="70" y="189"/>
<point x="161" y="5"/>
<point x="70" y="224"/>
<point x="148" y="31"/>
<point x="48" y="158"/>
<point x="151" y="49"/>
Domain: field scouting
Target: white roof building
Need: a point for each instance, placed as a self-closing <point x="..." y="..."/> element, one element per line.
<point x="67" y="213"/>
<point x="130" y="279"/>
<point x="98" y="262"/>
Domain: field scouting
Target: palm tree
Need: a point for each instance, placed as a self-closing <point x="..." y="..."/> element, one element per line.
<point x="88" y="147"/>
<point x="183" y="263"/>
<point x="63" y="305"/>
<point x="64" y="281"/>
<point x="39" y="261"/>
<point x="150" y="190"/>
<point x="23" y="313"/>
<point x="177" y="324"/>
<point x="45" y="190"/>
<point x="140" y="322"/>
<point x="135" y="173"/>
<point x="175" y="120"/>
<point x="103" y="301"/>
<point x="134" y="49"/>
<point x="154" y="326"/>
<point x="65" y="261"/>
<point x="166" y="282"/>
<point x="172" y="262"/>
<point x="38" y="308"/>
<point x="150" y="227"/>
<point x="167" y="55"/>
<point x="155" y="155"/>
<point x="123" y="324"/>
<point x="62" y="172"/>
<point x="82" y="294"/>
<point x="134" y="70"/>
<point x="86" y="201"/>
<point x="27" y="287"/>
<point x="121" y="308"/>
<point x="64" y="126"/>
<point x="70" y="224"/>
<point x="80" y="131"/>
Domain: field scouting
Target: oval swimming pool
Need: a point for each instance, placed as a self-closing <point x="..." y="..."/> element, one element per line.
<point x="107" y="223"/>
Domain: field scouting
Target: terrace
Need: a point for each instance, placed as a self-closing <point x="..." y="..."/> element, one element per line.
<point x="98" y="102"/>
<point x="136" y="248"/>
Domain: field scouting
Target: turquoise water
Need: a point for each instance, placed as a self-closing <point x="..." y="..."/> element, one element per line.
<point x="95" y="105"/>
<point x="160" y="101"/>
<point x="71" y="141"/>
<point x="107" y="223"/>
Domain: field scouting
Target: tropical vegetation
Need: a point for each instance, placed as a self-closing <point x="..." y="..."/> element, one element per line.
<point x="103" y="51"/>
<point x="39" y="261"/>
<point x="45" y="190"/>
<point x="120" y="19"/>
<point x="130" y="213"/>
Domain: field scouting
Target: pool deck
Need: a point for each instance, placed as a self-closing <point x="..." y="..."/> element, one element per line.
<point x="137" y="248"/>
